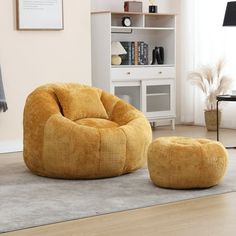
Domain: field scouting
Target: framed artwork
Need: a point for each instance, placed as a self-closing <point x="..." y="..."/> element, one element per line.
<point x="40" y="15"/>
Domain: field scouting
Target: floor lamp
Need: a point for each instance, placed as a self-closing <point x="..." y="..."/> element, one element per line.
<point x="230" y="14"/>
<point x="229" y="20"/>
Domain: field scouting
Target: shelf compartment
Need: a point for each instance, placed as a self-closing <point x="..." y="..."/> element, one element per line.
<point x="158" y="98"/>
<point x="137" y="20"/>
<point x="159" y="21"/>
<point x="153" y="38"/>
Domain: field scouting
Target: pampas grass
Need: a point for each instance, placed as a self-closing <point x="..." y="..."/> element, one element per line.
<point x="211" y="82"/>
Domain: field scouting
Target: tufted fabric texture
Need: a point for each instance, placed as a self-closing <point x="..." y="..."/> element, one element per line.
<point x="184" y="163"/>
<point x="73" y="136"/>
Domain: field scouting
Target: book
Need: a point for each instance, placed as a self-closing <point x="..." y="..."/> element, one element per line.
<point x="137" y="53"/>
<point x="145" y="54"/>
<point x="126" y="58"/>
<point x="141" y="53"/>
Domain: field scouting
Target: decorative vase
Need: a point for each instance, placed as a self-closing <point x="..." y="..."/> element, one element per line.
<point x="211" y="120"/>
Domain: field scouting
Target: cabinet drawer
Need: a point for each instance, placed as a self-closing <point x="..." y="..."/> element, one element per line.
<point x="142" y="73"/>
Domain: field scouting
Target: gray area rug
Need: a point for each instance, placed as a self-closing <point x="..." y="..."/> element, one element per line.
<point x="27" y="200"/>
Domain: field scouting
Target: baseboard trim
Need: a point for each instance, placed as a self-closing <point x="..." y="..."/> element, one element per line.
<point x="11" y="146"/>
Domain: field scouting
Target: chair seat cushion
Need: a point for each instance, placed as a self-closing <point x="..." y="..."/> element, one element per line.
<point x="97" y="123"/>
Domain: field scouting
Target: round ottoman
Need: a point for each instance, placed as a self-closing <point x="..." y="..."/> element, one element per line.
<point x="184" y="163"/>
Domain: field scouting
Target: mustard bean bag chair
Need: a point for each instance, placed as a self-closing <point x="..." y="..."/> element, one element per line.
<point x="75" y="131"/>
<point x="184" y="163"/>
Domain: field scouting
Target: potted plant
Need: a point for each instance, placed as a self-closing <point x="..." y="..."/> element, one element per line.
<point x="212" y="82"/>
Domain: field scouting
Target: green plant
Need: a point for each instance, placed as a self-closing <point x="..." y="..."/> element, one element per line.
<point x="212" y="82"/>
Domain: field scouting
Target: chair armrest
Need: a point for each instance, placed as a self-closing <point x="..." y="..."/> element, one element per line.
<point x="40" y="105"/>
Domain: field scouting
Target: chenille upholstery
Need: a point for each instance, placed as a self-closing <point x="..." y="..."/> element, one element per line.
<point x="184" y="163"/>
<point x="74" y="131"/>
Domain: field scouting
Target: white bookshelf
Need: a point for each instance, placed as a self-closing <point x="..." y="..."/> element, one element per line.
<point x="150" y="88"/>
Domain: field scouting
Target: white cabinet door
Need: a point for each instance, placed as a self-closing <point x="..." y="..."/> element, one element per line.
<point x="129" y="92"/>
<point x="158" y="98"/>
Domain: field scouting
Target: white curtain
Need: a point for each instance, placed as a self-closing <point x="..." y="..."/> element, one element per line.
<point x="204" y="42"/>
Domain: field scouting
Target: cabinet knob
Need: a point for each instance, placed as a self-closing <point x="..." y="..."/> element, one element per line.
<point x="128" y="73"/>
<point x="160" y="72"/>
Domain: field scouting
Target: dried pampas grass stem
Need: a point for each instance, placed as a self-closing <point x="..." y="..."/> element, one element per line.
<point x="211" y="82"/>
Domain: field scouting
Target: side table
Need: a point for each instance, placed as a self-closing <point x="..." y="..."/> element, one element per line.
<point x="226" y="98"/>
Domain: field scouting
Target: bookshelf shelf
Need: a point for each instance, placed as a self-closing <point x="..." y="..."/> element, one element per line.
<point x="149" y="87"/>
<point x="124" y="29"/>
<point x="138" y="66"/>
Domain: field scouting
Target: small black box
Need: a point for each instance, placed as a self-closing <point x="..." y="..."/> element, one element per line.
<point x="152" y="9"/>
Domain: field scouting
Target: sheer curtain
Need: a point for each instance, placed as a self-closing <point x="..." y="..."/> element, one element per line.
<point x="204" y="42"/>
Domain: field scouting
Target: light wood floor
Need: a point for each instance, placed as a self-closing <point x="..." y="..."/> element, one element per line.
<point x="208" y="216"/>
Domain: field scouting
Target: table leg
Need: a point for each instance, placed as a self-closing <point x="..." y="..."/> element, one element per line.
<point x="173" y="124"/>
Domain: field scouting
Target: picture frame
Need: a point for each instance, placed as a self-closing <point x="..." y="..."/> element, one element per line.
<point x="40" y="15"/>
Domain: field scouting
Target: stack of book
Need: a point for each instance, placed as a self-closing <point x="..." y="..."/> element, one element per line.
<point x="137" y="53"/>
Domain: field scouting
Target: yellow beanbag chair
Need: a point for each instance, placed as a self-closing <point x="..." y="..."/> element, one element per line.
<point x="75" y="131"/>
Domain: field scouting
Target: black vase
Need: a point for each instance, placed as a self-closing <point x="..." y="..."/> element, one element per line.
<point x="157" y="56"/>
<point x="160" y="55"/>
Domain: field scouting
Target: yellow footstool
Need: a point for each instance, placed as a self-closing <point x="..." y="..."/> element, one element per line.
<point x="184" y="163"/>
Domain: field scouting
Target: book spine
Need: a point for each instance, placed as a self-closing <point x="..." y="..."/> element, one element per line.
<point x="145" y="54"/>
<point x="141" y="55"/>
<point x="135" y="53"/>
<point x="132" y="53"/>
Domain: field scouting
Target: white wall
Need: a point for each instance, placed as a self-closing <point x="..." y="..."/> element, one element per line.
<point x="31" y="58"/>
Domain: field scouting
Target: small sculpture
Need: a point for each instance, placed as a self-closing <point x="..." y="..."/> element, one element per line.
<point x="157" y="56"/>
